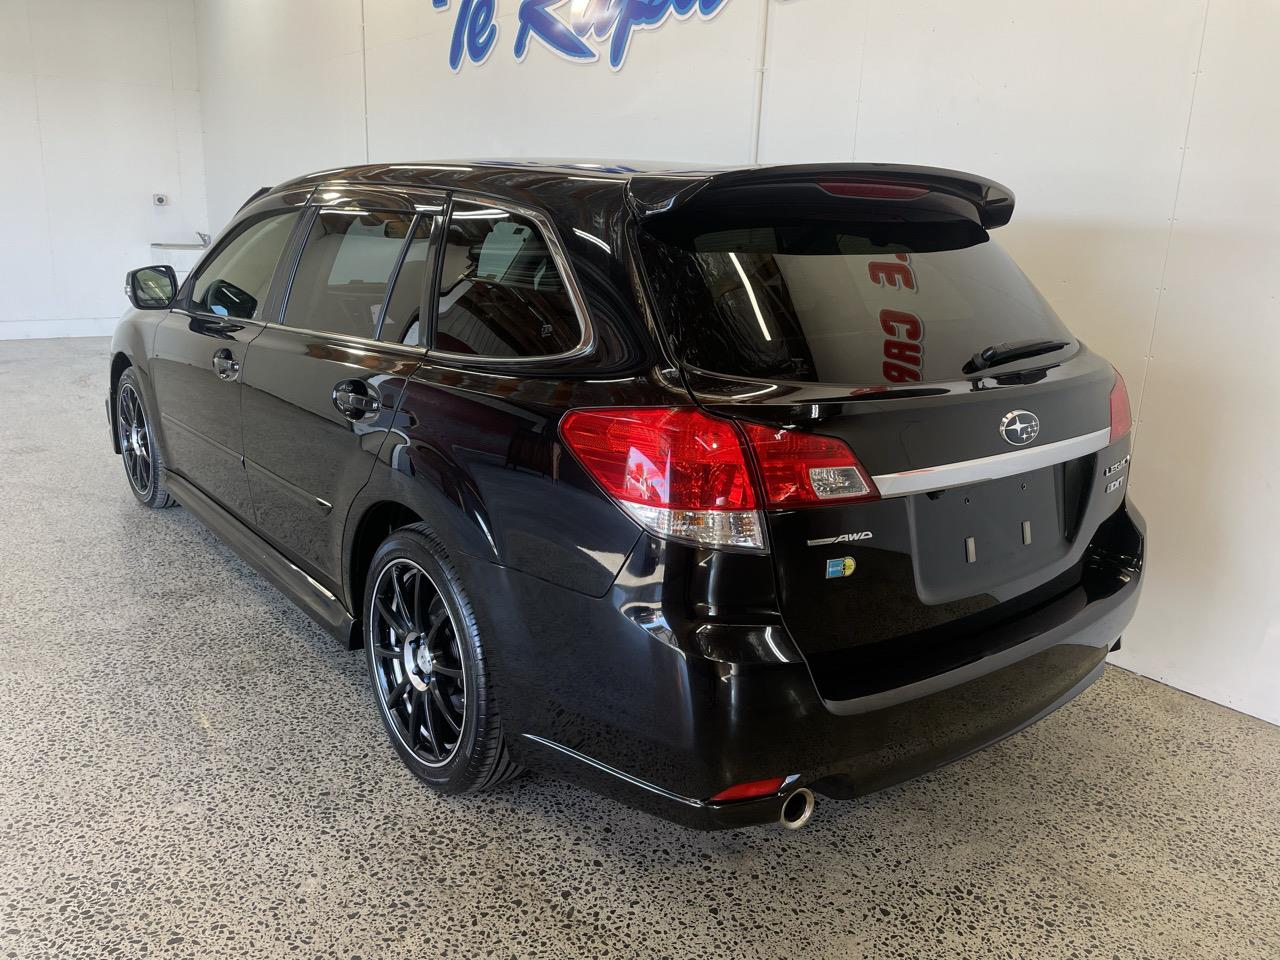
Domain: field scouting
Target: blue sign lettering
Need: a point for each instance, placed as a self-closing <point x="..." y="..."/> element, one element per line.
<point x="473" y="32"/>
<point x="537" y="19"/>
<point x="565" y="26"/>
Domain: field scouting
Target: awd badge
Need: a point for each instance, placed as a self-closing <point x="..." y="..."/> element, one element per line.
<point x="840" y="567"/>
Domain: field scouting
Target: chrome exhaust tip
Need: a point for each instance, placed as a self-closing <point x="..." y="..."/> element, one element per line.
<point x="797" y="809"/>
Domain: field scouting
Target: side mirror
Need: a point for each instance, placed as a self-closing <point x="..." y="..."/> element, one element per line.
<point x="151" y="288"/>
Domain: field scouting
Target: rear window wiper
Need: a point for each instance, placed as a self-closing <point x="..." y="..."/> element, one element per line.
<point x="1009" y="351"/>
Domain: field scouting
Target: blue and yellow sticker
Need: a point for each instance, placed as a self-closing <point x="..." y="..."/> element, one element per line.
<point x="840" y="567"/>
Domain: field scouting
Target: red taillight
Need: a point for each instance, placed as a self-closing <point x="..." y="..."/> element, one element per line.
<point x="750" y="791"/>
<point x="874" y="191"/>
<point x="666" y="456"/>
<point x="807" y="469"/>
<point x="682" y="473"/>
<point x="676" y="470"/>
<point x="1121" y="417"/>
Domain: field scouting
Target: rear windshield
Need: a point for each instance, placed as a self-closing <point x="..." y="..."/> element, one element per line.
<point x="832" y="301"/>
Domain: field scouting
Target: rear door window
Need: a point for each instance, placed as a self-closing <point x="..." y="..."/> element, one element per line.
<point x="340" y="285"/>
<point x="833" y="301"/>
<point x="501" y="292"/>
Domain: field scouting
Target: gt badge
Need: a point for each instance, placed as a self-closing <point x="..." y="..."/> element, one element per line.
<point x="840" y="567"/>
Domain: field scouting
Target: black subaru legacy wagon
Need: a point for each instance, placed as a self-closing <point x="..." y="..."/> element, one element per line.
<point x="710" y="489"/>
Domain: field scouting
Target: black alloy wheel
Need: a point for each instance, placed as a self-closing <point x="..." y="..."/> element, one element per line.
<point x="135" y="440"/>
<point x="428" y="666"/>
<point x="142" y="457"/>
<point x="419" y="675"/>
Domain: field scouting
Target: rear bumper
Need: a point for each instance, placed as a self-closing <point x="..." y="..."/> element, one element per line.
<point x="922" y="729"/>
<point x="1096" y="626"/>
<point x="908" y="746"/>
<point x="661" y="726"/>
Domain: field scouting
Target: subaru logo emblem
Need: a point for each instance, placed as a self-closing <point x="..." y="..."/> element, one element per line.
<point x="1020" y="427"/>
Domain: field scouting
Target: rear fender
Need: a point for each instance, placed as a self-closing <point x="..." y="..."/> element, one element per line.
<point x="460" y="524"/>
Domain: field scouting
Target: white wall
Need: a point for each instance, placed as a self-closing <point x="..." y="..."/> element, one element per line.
<point x="281" y="90"/>
<point x="98" y="111"/>
<point x="1138" y="137"/>
<point x="1210" y="415"/>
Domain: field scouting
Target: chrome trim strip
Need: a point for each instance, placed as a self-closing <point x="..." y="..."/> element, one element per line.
<point x="605" y="768"/>
<point x="289" y="489"/>
<point x="787" y="783"/>
<point x="194" y="434"/>
<point x="1009" y="464"/>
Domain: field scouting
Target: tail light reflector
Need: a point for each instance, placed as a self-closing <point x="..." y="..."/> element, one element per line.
<point x="750" y="791"/>
<point x="677" y="471"/>
<point x="807" y="469"/>
<point x="873" y="191"/>
<point x="1121" y="417"/>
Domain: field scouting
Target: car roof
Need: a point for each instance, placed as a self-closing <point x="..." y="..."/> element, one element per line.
<point x="443" y="174"/>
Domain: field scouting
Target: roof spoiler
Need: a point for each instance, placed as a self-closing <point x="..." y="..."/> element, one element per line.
<point x="993" y="202"/>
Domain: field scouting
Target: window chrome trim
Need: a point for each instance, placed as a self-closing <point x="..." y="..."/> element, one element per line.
<point x="195" y="315"/>
<point x="551" y="237"/>
<point x="352" y="341"/>
<point x="1009" y="464"/>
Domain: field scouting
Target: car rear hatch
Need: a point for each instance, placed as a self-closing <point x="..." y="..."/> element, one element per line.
<point x="876" y="309"/>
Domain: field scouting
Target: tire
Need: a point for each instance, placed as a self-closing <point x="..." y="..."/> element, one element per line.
<point x="438" y="706"/>
<point x="143" y="461"/>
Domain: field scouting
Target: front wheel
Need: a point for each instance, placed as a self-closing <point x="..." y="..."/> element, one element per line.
<point x="428" y="668"/>
<point x="143" y="461"/>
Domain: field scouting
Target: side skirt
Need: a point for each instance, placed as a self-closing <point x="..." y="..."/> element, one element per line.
<point x="313" y="599"/>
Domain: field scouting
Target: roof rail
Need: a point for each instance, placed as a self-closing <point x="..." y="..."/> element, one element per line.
<point x="261" y="191"/>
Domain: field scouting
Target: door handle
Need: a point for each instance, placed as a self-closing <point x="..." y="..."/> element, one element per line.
<point x="354" y="399"/>
<point x="225" y="365"/>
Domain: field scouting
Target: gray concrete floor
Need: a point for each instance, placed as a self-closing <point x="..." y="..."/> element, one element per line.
<point x="190" y="768"/>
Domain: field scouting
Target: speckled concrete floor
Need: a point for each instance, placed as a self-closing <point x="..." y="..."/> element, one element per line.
<point x="190" y="768"/>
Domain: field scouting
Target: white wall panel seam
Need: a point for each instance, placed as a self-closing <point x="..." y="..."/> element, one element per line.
<point x="1168" y="246"/>
<point x="862" y="68"/>
<point x="44" y="168"/>
<point x="364" y="76"/>
<point x="762" y="61"/>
